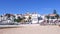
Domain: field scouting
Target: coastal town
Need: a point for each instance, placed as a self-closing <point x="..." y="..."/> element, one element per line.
<point x="30" y="18"/>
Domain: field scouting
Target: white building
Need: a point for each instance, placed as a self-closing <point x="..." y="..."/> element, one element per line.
<point x="34" y="17"/>
<point x="3" y="18"/>
<point x="41" y="18"/>
<point x="0" y="18"/>
<point x="37" y="18"/>
<point x="27" y="15"/>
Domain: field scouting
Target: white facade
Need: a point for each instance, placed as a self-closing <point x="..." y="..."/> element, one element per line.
<point x="16" y="17"/>
<point x="43" y="18"/>
<point x="3" y="18"/>
<point x="0" y="18"/>
<point x="37" y="18"/>
<point x="34" y="18"/>
<point x="26" y="17"/>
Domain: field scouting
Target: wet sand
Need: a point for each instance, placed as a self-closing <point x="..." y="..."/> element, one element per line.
<point x="31" y="30"/>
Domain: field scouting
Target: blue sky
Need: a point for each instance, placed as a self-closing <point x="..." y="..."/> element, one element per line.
<point x="23" y="6"/>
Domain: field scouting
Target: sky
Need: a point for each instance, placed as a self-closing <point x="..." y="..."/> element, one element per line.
<point x="23" y="6"/>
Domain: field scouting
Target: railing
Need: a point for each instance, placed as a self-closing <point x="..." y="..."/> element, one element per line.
<point x="51" y="22"/>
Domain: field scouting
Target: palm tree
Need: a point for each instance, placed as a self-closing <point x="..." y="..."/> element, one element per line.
<point x="55" y="12"/>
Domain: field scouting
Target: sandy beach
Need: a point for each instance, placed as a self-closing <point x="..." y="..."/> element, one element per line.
<point x="31" y="30"/>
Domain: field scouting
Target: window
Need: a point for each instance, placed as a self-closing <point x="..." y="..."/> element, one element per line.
<point x="39" y="18"/>
<point x="52" y="17"/>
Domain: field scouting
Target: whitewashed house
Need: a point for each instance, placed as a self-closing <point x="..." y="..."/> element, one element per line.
<point x="34" y="17"/>
<point x="0" y="18"/>
<point x="27" y="15"/>
<point x="3" y="17"/>
<point x="41" y="18"/>
<point x="37" y="18"/>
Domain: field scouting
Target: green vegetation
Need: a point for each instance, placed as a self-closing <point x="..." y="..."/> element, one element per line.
<point x="18" y="20"/>
<point x="29" y="17"/>
<point x="29" y="20"/>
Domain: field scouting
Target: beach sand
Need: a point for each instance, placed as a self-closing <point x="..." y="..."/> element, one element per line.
<point x="31" y="30"/>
